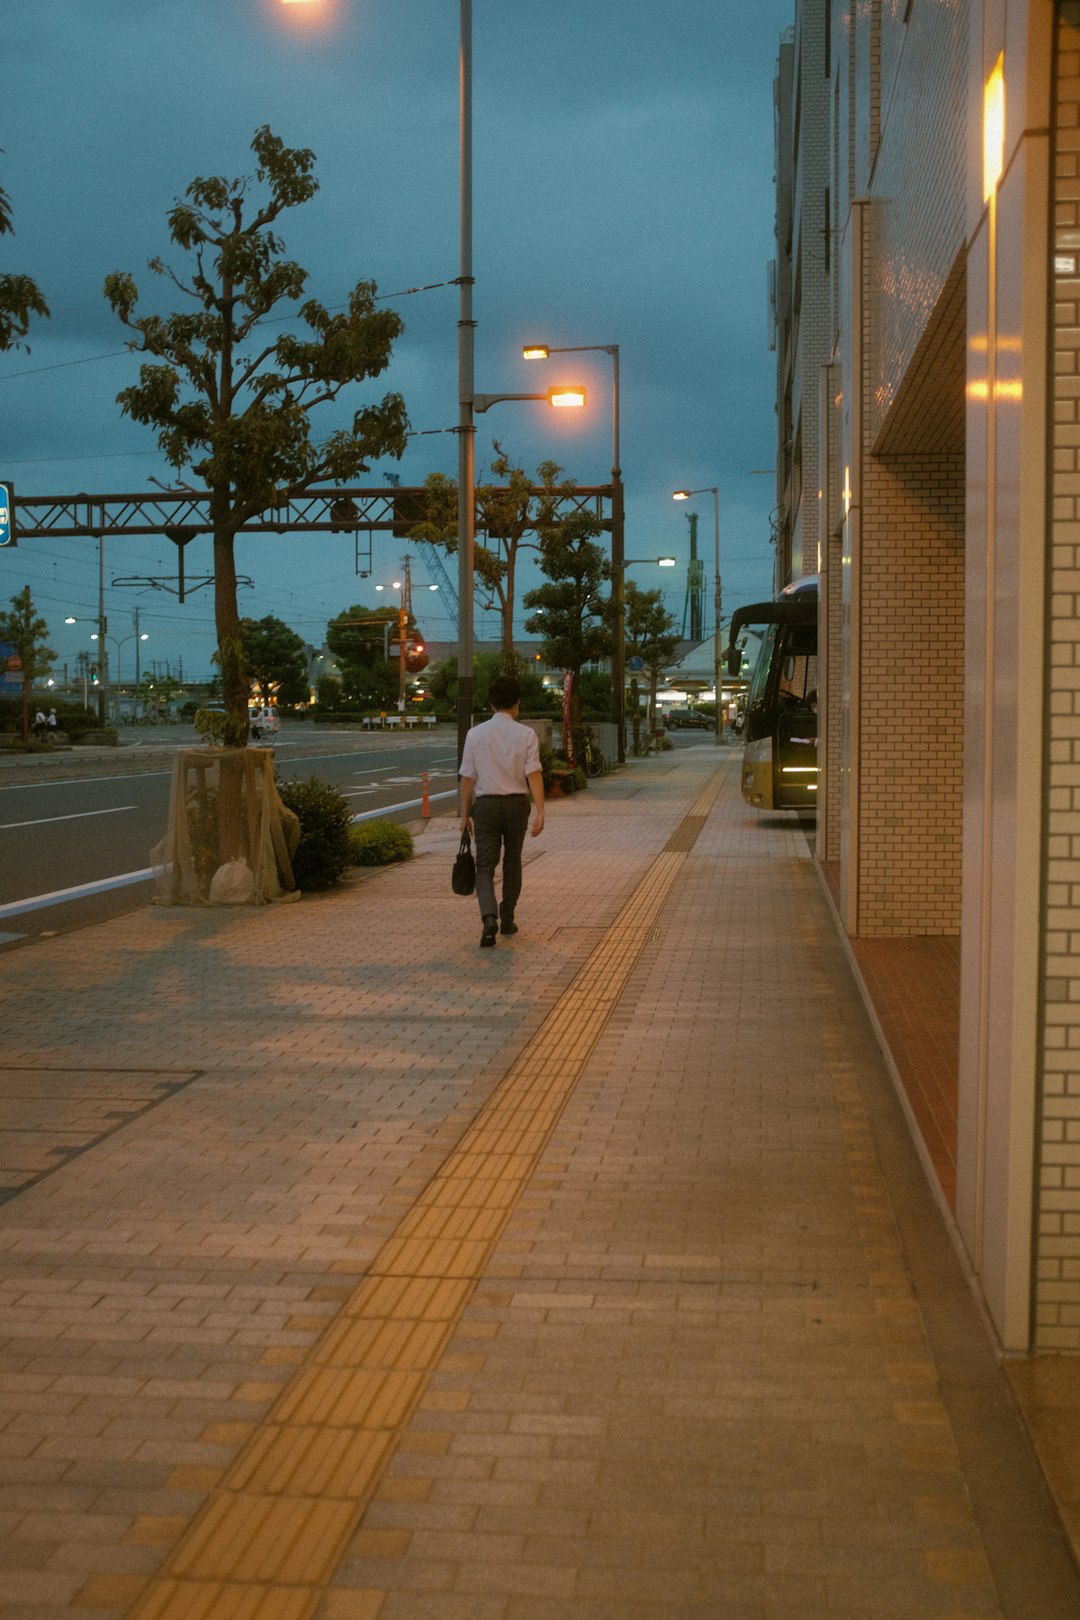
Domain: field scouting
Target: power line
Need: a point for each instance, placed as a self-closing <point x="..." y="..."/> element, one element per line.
<point x="278" y="320"/>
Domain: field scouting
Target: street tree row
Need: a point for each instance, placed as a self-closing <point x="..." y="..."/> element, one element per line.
<point x="232" y="405"/>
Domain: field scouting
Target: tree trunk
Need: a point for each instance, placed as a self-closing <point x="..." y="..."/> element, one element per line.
<point x="234" y="689"/>
<point x="509" y="655"/>
<point x="230" y="637"/>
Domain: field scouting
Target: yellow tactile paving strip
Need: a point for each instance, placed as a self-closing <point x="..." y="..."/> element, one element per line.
<point x="271" y="1535"/>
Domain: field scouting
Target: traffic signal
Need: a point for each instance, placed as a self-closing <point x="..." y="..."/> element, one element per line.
<point x="410" y="509"/>
<point x="416" y="657"/>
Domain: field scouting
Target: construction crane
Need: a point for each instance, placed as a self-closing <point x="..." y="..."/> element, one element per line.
<point x="433" y="559"/>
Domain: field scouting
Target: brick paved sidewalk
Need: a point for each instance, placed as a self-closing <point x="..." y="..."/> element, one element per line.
<point x="657" y="1334"/>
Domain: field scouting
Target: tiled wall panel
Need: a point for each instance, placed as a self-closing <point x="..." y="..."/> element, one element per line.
<point x="1057" y="1313"/>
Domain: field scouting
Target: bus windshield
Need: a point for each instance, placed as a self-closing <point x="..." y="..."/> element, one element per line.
<point x="798" y="668"/>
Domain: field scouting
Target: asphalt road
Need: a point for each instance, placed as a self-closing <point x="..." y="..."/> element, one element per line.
<point x="77" y="829"/>
<point x="76" y="832"/>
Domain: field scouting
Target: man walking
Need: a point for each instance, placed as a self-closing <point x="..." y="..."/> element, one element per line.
<point x="500" y="772"/>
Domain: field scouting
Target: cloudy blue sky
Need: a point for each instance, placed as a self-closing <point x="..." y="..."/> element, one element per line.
<point x="622" y="194"/>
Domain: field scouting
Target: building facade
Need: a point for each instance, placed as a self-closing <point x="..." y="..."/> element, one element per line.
<point x="927" y="465"/>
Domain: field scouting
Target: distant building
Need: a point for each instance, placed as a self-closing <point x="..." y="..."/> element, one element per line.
<point x="927" y="326"/>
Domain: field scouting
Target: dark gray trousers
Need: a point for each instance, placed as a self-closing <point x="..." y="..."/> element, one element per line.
<point x="500" y="824"/>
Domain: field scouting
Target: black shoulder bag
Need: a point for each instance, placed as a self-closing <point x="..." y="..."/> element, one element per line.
<point x="463" y="877"/>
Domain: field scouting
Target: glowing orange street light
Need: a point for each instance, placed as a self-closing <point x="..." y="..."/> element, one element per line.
<point x="566" y="395"/>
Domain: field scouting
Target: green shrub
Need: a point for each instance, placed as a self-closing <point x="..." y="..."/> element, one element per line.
<point x="227" y="730"/>
<point x="550" y="762"/>
<point x="324" y="851"/>
<point x="580" y="779"/>
<point x="379" y="843"/>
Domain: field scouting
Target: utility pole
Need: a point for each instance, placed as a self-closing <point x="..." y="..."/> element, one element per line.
<point x="403" y="627"/>
<point x="103" y="627"/>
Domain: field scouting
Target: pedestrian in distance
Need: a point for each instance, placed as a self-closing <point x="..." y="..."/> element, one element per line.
<point x="40" y="724"/>
<point x="500" y="773"/>
<point x="52" y="720"/>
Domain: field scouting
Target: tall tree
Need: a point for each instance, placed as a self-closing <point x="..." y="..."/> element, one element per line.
<point x="275" y="659"/>
<point x="361" y="635"/>
<point x="24" y="632"/>
<point x="570" y="612"/>
<point x="506" y="512"/>
<point x="19" y="295"/>
<point x="360" y="639"/>
<point x="233" y="405"/>
<point x="651" y="636"/>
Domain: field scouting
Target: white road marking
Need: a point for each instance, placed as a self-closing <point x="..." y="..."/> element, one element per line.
<point x="79" y="815"/>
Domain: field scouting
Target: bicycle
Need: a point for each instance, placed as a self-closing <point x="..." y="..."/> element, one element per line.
<point x="592" y="760"/>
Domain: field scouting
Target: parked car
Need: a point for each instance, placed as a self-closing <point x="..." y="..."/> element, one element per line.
<point x="676" y="718"/>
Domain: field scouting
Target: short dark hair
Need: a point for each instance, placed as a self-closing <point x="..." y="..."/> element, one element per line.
<point x="504" y="692"/>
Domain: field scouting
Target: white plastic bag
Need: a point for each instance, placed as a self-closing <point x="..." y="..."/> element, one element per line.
<point x="232" y="885"/>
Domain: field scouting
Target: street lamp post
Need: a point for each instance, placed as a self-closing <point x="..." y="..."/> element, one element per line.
<point x="466" y="345"/>
<point x="541" y="351"/>
<point x="714" y="491"/>
<point x="103" y="625"/>
<point x="122" y="641"/>
<point x="466" y="427"/>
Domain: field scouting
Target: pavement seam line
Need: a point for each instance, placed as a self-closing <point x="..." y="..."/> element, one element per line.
<point x="365" y="1377"/>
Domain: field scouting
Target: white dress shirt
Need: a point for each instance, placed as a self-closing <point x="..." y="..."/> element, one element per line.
<point x="500" y="755"/>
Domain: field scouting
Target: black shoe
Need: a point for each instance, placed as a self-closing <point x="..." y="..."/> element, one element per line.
<point x="487" y="938"/>
<point x="508" y="925"/>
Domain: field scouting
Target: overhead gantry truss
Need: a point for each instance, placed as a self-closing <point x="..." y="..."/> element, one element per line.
<point x="181" y="516"/>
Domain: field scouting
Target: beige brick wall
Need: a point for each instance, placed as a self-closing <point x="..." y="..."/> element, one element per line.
<point x="1057" y="1311"/>
<point x="911" y="696"/>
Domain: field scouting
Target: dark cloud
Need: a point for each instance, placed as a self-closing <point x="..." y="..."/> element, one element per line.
<point x="623" y="193"/>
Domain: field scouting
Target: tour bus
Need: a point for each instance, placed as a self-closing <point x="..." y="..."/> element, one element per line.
<point x="780" y="764"/>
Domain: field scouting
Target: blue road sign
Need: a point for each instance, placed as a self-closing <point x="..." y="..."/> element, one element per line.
<point x="7" y="525"/>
